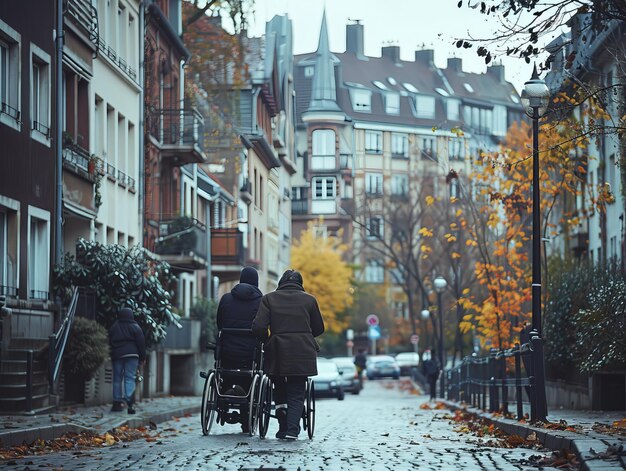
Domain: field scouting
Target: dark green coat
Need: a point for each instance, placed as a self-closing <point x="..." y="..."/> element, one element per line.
<point x="293" y="319"/>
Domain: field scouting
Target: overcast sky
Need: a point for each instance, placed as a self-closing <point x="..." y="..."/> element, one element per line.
<point x="410" y="24"/>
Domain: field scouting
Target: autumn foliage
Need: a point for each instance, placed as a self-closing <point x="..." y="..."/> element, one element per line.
<point x="326" y="275"/>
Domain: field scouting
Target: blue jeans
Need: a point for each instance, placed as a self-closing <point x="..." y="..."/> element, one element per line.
<point x="125" y="368"/>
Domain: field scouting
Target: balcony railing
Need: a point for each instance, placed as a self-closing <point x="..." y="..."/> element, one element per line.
<point x="11" y="112"/>
<point x="180" y="133"/>
<point x="299" y="207"/>
<point x="42" y="128"/>
<point x="76" y="159"/>
<point x="182" y="242"/>
<point x="85" y="16"/>
<point x="227" y="247"/>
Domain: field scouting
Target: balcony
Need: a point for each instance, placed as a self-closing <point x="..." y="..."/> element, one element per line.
<point x="299" y="207"/>
<point x="183" y="339"/>
<point x="245" y="192"/>
<point x="84" y="16"/>
<point x="180" y="134"/>
<point x="182" y="243"/>
<point x="227" y="253"/>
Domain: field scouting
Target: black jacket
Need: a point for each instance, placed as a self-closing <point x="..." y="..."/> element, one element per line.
<point x="126" y="337"/>
<point x="237" y="310"/>
<point x="294" y="319"/>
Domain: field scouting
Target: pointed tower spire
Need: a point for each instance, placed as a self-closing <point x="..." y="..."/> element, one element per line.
<point x="324" y="92"/>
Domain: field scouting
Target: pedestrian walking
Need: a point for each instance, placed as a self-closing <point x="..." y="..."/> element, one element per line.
<point x="128" y="351"/>
<point x="360" y="361"/>
<point x="431" y="369"/>
<point x="237" y="310"/>
<point x="294" y="320"/>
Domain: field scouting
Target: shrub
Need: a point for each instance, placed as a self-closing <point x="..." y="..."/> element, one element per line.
<point x="205" y="310"/>
<point x="87" y="348"/>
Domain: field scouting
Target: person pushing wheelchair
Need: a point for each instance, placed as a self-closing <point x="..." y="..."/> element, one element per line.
<point x="294" y="320"/>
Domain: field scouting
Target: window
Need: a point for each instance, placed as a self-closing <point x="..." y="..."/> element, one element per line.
<point x="399" y="185"/>
<point x="361" y="99"/>
<point x="392" y="103"/>
<point x="38" y="253"/>
<point x="323" y="149"/>
<point x="374" y="227"/>
<point x="40" y="94"/>
<point x="424" y="106"/>
<point x="309" y="70"/>
<point x="428" y="148"/>
<point x="324" y="188"/>
<point x="399" y="145"/>
<point x="8" y="247"/>
<point x="324" y="193"/>
<point x="374" y="142"/>
<point x="374" y="184"/>
<point x="10" y="80"/>
<point x="374" y="271"/>
<point x="453" y="109"/>
<point x="456" y="148"/>
<point x="499" y="120"/>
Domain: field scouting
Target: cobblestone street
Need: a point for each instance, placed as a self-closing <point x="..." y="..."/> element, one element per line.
<point x="382" y="428"/>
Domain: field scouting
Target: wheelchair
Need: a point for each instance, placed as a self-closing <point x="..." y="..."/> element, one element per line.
<point x="222" y="405"/>
<point x="266" y="408"/>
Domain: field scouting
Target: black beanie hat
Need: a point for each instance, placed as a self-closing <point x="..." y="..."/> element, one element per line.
<point x="250" y="276"/>
<point x="290" y="276"/>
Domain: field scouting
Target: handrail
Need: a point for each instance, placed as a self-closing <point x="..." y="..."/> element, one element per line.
<point x="58" y="341"/>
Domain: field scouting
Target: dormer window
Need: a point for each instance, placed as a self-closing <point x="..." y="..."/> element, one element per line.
<point x="308" y="71"/>
<point x="361" y="99"/>
<point x="424" y="106"/>
<point x="392" y="103"/>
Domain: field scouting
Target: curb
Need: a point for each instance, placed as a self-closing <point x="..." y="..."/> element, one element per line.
<point x="53" y="431"/>
<point x="587" y="450"/>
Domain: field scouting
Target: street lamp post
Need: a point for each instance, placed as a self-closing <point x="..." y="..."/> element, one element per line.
<point x="440" y="285"/>
<point x="535" y="98"/>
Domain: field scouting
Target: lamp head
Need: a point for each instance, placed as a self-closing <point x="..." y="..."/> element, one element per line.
<point x="425" y="313"/>
<point x="535" y="95"/>
<point x="440" y="284"/>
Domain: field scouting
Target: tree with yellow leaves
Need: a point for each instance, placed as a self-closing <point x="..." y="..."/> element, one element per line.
<point x="326" y="275"/>
<point x="501" y="223"/>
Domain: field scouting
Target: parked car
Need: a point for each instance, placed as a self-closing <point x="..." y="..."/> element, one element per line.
<point x="382" y="366"/>
<point x="407" y="361"/>
<point x="328" y="380"/>
<point x="349" y="377"/>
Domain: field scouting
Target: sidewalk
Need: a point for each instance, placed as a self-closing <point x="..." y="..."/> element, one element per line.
<point x="16" y="430"/>
<point x="589" y="434"/>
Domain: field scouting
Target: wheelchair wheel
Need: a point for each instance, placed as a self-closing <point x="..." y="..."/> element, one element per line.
<point x="265" y="406"/>
<point x="209" y="404"/>
<point x="308" y="414"/>
<point x="254" y="406"/>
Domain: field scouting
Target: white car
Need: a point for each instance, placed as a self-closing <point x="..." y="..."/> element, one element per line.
<point x="407" y="361"/>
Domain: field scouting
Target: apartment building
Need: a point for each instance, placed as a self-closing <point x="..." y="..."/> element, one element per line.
<point x="374" y="130"/>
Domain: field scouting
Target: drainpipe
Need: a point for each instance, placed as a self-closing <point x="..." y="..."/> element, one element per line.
<point x="58" y="227"/>
<point x="142" y="155"/>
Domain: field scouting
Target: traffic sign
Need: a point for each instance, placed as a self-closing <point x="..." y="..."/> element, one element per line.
<point x="373" y="332"/>
<point x="372" y="319"/>
<point x="415" y="339"/>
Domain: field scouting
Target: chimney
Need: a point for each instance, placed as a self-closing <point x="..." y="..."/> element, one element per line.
<point x="354" y="38"/>
<point x="425" y="55"/>
<point x="497" y="71"/>
<point x="455" y="64"/>
<point x="392" y="52"/>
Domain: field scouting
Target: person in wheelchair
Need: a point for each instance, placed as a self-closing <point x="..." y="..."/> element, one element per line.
<point x="294" y="319"/>
<point x="236" y="310"/>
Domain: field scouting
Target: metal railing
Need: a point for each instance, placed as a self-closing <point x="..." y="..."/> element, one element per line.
<point x="41" y="128"/>
<point x="181" y="127"/>
<point x="58" y="340"/>
<point x="486" y="382"/>
<point x="76" y="155"/>
<point x="11" y="112"/>
<point x="85" y="15"/>
<point x="182" y="236"/>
